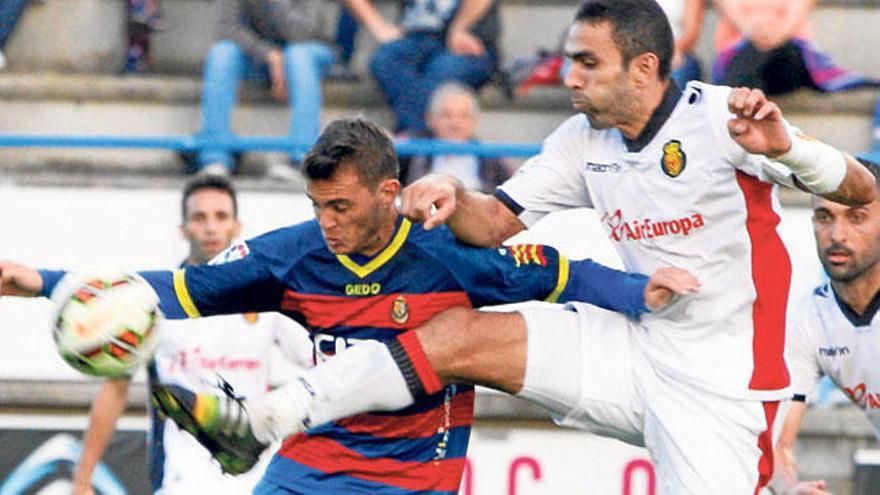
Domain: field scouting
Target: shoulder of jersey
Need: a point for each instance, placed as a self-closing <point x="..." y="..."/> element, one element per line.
<point x="696" y="93"/>
<point x="302" y="237"/>
<point x="436" y="236"/>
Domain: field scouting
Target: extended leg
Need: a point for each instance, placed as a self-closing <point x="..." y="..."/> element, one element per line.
<point x="458" y="345"/>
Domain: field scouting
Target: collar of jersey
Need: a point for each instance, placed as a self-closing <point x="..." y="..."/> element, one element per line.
<point x="858" y="320"/>
<point x="380" y="259"/>
<point x="658" y="118"/>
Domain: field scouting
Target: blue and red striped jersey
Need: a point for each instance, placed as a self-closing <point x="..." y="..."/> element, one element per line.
<point x="344" y="299"/>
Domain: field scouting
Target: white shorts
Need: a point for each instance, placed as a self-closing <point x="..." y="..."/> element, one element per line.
<point x="584" y="366"/>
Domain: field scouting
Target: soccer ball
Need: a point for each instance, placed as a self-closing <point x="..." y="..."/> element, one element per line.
<point x="105" y="325"/>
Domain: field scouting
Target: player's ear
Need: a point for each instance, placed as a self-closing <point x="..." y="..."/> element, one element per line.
<point x="388" y="191"/>
<point x="644" y="67"/>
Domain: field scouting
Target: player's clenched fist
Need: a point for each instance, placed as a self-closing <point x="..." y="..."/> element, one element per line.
<point x="667" y="283"/>
<point x="19" y="280"/>
<point x="757" y="123"/>
<point x="431" y="199"/>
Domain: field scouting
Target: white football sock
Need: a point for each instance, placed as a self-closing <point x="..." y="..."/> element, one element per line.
<point x="359" y="379"/>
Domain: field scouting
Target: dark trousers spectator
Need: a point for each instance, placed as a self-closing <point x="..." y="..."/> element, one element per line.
<point x="410" y="68"/>
<point x="775" y="72"/>
<point x="346" y="34"/>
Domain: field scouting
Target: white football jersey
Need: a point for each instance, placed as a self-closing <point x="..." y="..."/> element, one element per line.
<point x="685" y="195"/>
<point x="830" y="339"/>
<point x="194" y="354"/>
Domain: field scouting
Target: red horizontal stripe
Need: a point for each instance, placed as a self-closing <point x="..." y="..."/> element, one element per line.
<point x="372" y="311"/>
<point x="419" y="425"/>
<point x="330" y="457"/>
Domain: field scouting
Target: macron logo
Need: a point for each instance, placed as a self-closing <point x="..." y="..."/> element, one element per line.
<point x="636" y="230"/>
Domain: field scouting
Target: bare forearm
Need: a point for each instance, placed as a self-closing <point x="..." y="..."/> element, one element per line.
<point x="367" y="14"/>
<point x="482" y="220"/>
<point x="692" y="25"/>
<point x="858" y="186"/>
<point x="785" y="464"/>
<point x="470" y="13"/>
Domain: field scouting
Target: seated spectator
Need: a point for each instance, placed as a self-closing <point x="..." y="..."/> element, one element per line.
<point x="452" y="116"/>
<point x="280" y="41"/>
<point x="436" y="42"/>
<point x="766" y="44"/>
<point x="10" y="13"/>
<point x="548" y="68"/>
<point x="144" y="17"/>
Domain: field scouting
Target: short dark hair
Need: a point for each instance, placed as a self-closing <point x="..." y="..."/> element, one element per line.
<point x="872" y="167"/>
<point x="208" y="181"/>
<point x="637" y="27"/>
<point x="358" y="142"/>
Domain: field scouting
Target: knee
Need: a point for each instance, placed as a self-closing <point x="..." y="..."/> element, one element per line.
<point x="385" y="58"/>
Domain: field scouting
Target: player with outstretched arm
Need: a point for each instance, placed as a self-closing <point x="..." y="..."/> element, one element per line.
<point x="361" y="273"/>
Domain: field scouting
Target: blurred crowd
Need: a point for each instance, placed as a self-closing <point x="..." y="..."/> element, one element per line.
<point x="290" y="46"/>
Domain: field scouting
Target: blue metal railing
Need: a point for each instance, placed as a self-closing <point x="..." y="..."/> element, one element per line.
<point x="190" y="143"/>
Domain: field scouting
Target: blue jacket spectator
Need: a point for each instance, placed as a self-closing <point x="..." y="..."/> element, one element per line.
<point x="283" y="41"/>
<point x="436" y="41"/>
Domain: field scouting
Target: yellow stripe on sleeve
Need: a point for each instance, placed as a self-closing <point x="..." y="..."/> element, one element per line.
<point x="561" y="281"/>
<point x="183" y="297"/>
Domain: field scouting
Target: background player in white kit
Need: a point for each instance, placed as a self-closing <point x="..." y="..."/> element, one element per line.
<point x="194" y="354"/>
<point x="838" y="333"/>
<point x="683" y="180"/>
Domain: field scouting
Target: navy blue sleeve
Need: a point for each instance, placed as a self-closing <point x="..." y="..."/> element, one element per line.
<point x="50" y="280"/>
<point x="534" y="272"/>
<point x="161" y="281"/>
<point x="605" y="287"/>
<point x="250" y="278"/>
<point x="505" y="275"/>
<point x="247" y="277"/>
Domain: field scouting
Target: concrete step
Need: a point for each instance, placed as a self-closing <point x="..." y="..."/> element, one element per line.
<point x="77" y="104"/>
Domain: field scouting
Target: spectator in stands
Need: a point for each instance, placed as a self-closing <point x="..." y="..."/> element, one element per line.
<point x="10" y="12"/>
<point x="280" y="40"/>
<point x="452" y="116"/>
<point x="766" y="44"/>
<point x="143" y="19"/>
<point x="548" y="68"/>
<point x="435" y="42"/>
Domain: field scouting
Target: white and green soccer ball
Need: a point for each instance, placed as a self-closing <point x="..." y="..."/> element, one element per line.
<point x="105" y="324"/>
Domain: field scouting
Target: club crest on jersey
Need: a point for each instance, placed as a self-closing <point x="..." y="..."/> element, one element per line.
<point x="674" y="159"/>
<point x="400" y="310"/>
<point x="236" y="251"/>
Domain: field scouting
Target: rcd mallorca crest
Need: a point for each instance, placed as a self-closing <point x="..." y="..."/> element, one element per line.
<point x="674" y="159"/>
